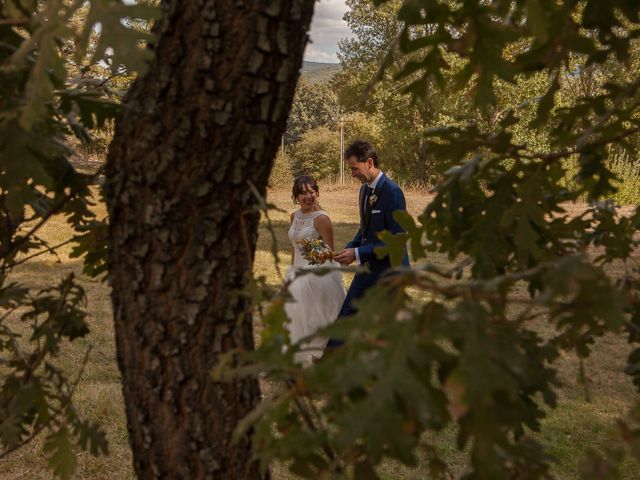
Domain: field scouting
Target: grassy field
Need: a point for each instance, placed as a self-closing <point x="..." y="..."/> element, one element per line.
<point x="568" y="431"/>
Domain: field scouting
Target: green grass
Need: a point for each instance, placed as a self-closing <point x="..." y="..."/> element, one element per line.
<point x="568" y="431"/>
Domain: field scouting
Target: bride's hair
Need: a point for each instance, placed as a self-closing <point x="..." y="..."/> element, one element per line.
<point x="300" y="183"/>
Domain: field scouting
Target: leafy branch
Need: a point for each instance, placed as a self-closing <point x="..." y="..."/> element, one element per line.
<point x="462" y="352"/>
<point x="42" y="104"/>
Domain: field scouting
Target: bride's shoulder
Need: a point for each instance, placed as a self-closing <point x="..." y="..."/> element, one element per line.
<point x="321" y="216"/>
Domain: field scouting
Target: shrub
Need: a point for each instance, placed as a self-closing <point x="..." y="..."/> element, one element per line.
<point x="317" y="153"/>
<point x="628" y="183"/>
<point x="281" y="173"/>
<point x="364" y="126"/>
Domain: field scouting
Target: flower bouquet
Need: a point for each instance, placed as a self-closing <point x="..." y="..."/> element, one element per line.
<point x="316" y="251"/>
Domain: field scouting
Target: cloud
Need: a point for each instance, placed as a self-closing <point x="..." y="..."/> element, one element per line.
<point x="327" y="28"/>
<point x="314" y="54"/>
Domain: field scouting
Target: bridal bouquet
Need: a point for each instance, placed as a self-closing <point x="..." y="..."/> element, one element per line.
<point x="316" y="251"/>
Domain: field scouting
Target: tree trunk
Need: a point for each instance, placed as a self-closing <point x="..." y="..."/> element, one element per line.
<point x="201" y="127"/>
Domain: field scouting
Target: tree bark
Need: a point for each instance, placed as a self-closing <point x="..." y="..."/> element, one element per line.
<point x="201" y="127"/>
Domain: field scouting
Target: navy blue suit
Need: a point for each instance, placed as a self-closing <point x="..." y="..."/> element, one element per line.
<point x="374" y="218"/>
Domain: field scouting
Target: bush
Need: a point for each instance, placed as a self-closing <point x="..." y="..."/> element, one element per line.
<point x="364" y="126"/>
<point x="281" y="173"/>
<point x="626" y="170"/>
<point x="317" y="154"/>
<point x="628" y="184"/>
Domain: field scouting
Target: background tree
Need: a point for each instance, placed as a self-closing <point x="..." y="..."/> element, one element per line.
<point x="401" y="120"/>
<point x="188" y="163"/>
<point x="375" y="33"/>
<point x="317" y="154"/>
<point x="314" y="105"/>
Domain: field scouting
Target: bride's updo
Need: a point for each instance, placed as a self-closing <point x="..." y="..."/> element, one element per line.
<point x="300" y="183"/>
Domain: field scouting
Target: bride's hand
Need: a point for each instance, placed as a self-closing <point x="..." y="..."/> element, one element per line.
<point x="346" y="256"/>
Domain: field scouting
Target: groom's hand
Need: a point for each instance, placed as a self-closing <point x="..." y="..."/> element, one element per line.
<point x="346" y="256"/>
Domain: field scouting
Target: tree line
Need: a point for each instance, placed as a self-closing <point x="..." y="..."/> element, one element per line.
<point x="396" y="122"/>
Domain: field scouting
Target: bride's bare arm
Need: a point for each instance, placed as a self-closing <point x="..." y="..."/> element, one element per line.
<point x="322" y="224"/>
<point x="293" y="250"/>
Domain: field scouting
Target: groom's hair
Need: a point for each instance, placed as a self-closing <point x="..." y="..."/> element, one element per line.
<point x="362" y="150"/>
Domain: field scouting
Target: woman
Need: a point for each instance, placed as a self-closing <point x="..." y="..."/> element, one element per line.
<point x="316" y="299"/>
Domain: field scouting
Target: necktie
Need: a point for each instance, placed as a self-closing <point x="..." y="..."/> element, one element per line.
<point x="367" y="195"/>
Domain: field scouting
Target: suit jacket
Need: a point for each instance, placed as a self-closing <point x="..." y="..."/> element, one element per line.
<point x="374" y="218"/>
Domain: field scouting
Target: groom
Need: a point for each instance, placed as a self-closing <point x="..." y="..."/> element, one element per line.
<point x="379" y="198"/>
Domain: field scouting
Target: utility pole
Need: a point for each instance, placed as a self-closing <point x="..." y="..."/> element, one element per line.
<point x="343" y="122"/>
<point x="340" y="159"/>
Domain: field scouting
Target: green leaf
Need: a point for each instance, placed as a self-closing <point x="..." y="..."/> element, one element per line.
<point x="364" y="471"/>
<point x="546" y="103"/>
<point x="94" y="111"/>
<point x="395" y="246"/>
<point x="406" y="221"/>
<point x="17" y="9"/>
<point x="118" y="33"/>
<point x="61" y="458"/>
<point x="91" y="244"/>
<point x="536" y="20"/>
<point x="48" y="68"/>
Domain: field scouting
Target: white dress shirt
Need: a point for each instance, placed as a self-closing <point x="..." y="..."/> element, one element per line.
<point x="372" y="185"/>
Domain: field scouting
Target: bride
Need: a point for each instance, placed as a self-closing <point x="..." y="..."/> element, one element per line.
<point x="316" y="299"/>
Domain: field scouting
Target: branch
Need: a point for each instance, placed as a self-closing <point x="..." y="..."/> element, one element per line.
<point x="51" y="250"/>
<point x="451" y="272"/>
<point x="581" y="142"/>
<point x="14" y="21"/>
<point x="64" y="404"/>
<point x="76" y="382"/>
<point x="14" y="340"/>
<point x="8" y="46"/>
<point x="306" y="417"/>
<point x="263" y="206"/>
<point x="554" y="156"/>
<point x="477" y="288"/>
<point x="61" y="203"/>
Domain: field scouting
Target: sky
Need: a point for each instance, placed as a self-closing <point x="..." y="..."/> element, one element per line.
<point x="327" y="27"/>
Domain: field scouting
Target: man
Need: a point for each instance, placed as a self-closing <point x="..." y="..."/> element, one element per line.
<point x="379" y="198"/>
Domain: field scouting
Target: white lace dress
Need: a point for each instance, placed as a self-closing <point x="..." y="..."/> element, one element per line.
<point x="317" y="299"/>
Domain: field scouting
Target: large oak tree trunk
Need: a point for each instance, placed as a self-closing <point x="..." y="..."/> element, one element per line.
<point x="201" y="127"/>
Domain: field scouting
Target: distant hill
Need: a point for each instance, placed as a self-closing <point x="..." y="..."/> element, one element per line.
<point x="316" y="72"/>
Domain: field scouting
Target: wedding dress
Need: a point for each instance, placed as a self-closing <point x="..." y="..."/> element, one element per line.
<point x="316" y="299"/>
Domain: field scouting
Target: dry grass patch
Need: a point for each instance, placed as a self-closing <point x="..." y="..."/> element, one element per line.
<point x="568" y="431"/>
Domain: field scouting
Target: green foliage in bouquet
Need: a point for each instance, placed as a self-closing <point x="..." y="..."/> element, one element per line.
<point x="467" y="357"/>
